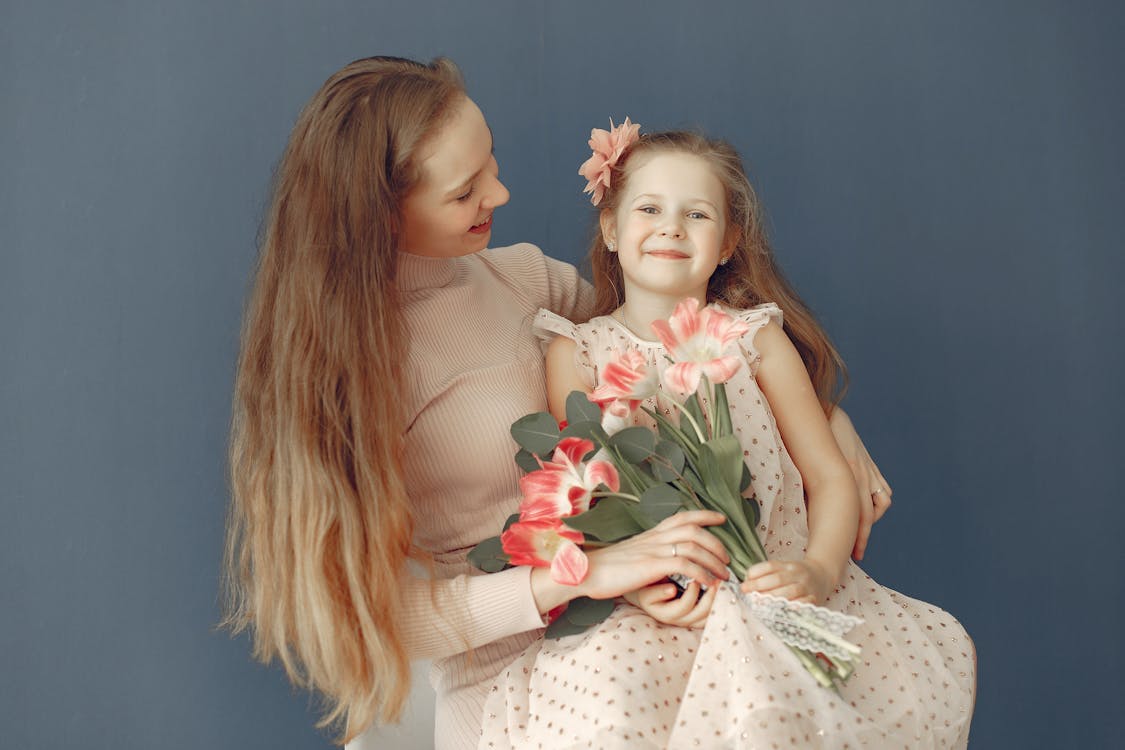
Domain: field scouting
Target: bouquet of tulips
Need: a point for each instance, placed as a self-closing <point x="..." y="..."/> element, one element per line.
<point x="596" y="479"/>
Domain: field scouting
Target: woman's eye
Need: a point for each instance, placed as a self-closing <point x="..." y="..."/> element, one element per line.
<point x="466" y="196"/>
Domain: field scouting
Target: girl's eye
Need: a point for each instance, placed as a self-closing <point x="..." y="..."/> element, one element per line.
<point x="647" y="209"/>
<point x="697" y="215"/>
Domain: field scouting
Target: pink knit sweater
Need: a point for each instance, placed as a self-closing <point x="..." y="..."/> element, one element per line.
<point x="473" y="367"/>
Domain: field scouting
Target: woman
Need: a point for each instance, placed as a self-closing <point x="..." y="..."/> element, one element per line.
<point x="384" y="355"/>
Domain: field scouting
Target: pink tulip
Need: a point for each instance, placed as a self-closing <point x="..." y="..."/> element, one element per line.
<point x="564" y="485"/>
<point x="547" y="543"/>
<point x="626" y="382"/>
<point x="696" y="341"/>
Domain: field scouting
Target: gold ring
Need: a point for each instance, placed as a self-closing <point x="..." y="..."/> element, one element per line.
<point x="876" y="492"/>
<point x="674" y="553"/>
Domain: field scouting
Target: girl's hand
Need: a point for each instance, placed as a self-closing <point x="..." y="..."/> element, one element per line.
<point x="874" y="490"/>
<point x="660" y="602"/>
<point x="800" y="580"/>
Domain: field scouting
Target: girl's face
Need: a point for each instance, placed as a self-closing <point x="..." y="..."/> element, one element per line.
<point x="669" y="227"/>
<point x="449" y="211"/>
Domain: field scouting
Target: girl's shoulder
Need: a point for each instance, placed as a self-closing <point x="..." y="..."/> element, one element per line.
<point x="756" y="316"/>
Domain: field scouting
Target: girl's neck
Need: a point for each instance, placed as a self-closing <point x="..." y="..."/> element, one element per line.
<point x="641" y="308"/>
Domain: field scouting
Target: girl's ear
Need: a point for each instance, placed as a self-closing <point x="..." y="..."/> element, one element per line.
<point x="609" y="227"/>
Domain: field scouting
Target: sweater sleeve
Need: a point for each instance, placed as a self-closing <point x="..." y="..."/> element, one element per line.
<point x="457" y="614"/>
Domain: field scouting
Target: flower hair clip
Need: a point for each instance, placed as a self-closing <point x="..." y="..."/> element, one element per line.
<point x="608" y="145"/>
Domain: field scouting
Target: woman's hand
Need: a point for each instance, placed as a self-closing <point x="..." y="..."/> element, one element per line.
<point x="874" y="491"/>
<point x="665" y="603"/>
<point x="801" y="580"/>
<point x="678" y="544"/>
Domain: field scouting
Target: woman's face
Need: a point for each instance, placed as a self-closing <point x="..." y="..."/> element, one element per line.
<point x="449" y="211"/>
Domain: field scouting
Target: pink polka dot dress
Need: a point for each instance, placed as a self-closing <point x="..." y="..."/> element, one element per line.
<point x="632" y="682"/>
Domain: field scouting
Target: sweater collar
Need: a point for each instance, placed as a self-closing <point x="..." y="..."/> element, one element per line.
<point x="416" y="272"/>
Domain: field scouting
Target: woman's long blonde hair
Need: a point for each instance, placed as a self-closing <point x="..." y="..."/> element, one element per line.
<point x="751" y="275"/>
<point x="319" y="527"/>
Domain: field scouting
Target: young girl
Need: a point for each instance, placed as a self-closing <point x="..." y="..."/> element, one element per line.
<point x="680" y="220"/>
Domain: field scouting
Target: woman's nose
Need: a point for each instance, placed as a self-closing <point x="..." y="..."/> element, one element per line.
<point x="496" y="195"/>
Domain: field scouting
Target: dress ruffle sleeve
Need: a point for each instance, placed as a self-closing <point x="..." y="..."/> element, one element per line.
<point x="756" y="317"/>
<point x="547" y="326"/>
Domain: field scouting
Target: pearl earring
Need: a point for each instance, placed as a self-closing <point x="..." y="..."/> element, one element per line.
<point x="723" y="261"/>
<point x="610" y="246"/>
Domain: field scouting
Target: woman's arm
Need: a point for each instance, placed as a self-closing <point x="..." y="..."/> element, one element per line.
<point x="833" y="507"/>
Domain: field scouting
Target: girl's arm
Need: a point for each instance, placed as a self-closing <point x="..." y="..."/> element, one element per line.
<point x="562" y="375"/>
<point x="833" y="505"/>
<point x="874" y="490"/>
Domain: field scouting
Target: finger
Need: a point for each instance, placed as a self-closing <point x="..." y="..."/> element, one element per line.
<point x="689" y="568"/>
<point x="704" y="539"/>
<point x="863" y="534"/>
<point x="791" y="591"/>
<point x="866" y="518"/>
<point x="761" y="569"/>
<point x="702" y="557"/>
<point x="702" y="609"/>
<point x="650" y="596"/>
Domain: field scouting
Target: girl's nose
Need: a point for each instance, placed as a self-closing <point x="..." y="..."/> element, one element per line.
<point x="671" y="228"/>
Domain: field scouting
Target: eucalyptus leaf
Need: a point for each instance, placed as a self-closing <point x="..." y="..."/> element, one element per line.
<point x="608" y="521"/>
<point x="579" y="408"/>
<point x="589" y="611"/>
<point x="586" y="430"/>
<point x="660" y="501"/>
<point x="537" y="433"/>
<point x="580" y="615"/>
<point x="635" y="443"/>
<point x="667" y="461"/>
<point x="526" y="461"/>
<point x="489" y="556"/>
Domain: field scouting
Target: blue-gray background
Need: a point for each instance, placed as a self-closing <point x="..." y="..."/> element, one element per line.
<point x="944" y="185"/>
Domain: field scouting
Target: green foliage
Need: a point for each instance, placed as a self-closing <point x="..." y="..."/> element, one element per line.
<point x="591" y="431"/>
<point x="660" y="501"/>
<point x="579" y="408"/>
<point x="635" y="444"/>
<point x="489" y="556"/>
<point x="580" y="615"/>
<point x="526" y="461"/>
<point x="612" y="518"/>
<point x="536" y="433"/>
<point x="667" y="461"/>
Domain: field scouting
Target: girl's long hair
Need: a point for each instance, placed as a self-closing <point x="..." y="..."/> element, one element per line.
<point x="750" y="277"/>
<point x="320" y="528"/>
